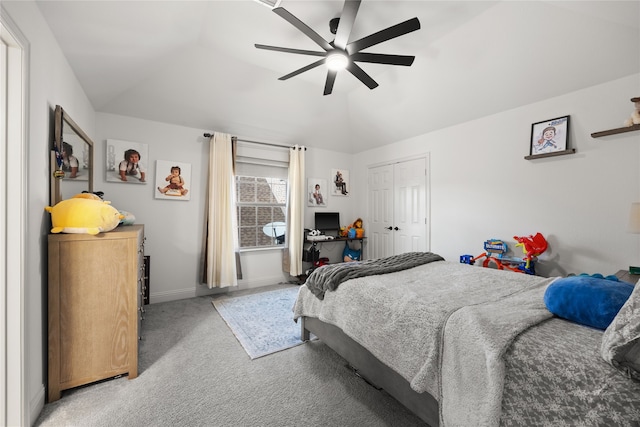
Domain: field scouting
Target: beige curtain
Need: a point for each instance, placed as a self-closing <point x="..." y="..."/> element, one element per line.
<point x="221" y="235"/>
<point x="295" y="217"/>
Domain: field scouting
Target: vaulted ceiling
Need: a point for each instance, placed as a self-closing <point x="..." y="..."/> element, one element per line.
<point x="193" y="63"/>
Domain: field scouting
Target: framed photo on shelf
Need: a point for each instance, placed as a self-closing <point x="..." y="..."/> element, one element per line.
<point x="549" y="136"/>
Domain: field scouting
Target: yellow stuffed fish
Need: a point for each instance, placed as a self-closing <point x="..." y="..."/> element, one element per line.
<point x="82" y="215"/>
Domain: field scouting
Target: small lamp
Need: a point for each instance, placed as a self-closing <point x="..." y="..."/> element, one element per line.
<point x="634" y="227"/>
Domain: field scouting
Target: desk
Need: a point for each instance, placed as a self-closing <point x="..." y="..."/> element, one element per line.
<point x="314" y="243"/>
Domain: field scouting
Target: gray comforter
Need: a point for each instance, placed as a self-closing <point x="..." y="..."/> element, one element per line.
<point x="329" y="277"/>
<point x="403" y="318"/>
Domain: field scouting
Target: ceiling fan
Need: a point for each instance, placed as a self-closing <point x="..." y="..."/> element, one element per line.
<point x="342" y="54"/>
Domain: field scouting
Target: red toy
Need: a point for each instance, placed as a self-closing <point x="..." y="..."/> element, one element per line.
<point x="532" y="246"/>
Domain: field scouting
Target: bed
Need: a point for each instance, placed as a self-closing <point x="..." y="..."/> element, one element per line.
<point x="465" y="345"/>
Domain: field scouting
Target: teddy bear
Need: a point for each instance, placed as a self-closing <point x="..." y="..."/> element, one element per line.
<point x="635" y="116"/>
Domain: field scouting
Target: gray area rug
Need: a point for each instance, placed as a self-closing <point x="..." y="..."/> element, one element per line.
<point x="262" y="322"/>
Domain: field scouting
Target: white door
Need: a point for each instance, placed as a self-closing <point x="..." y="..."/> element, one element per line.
<point x="397" y="208"/>
<point x="380" y="224"/>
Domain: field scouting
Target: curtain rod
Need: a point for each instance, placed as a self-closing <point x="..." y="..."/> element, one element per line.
<point x="209" y="135"/>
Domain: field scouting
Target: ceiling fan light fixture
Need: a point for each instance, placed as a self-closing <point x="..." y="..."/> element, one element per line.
<point x="337" y="61"/>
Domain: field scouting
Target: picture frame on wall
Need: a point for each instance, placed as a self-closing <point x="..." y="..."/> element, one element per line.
<point x="340" y="182"/>
<point x="316" y="191"/>
<point x="549" y="136"/>
<point x="173" y="180"/>
<point x="126" y="162"/>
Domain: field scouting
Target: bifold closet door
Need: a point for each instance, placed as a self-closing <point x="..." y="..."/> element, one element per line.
<point x="397" y="208"/>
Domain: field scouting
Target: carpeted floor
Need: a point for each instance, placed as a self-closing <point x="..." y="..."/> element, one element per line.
<point x="194" y="372"/>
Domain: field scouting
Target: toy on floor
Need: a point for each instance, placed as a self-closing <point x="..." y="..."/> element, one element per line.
<point x="496" y="250"/>
<point x="350" y="255"/>
<point x="84" y="213"/>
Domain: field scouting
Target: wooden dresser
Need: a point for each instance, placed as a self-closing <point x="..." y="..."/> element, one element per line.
<point x="95" y="306"/>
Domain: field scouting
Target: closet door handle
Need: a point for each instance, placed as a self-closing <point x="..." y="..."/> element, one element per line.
<point x="396" y="228"/>
<point x="389" y="228"/>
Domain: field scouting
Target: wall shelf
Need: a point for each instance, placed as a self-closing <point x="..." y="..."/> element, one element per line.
<point x="615" y="131"/>
<point x="553" y="154"/>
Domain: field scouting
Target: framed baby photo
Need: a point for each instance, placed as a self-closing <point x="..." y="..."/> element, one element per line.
<point x="316" y="192"/>
<point x="173" y="180"/>
<point x="126" y="162"/>
<point x="340" y="182"/>
<point x="549" y="136"/>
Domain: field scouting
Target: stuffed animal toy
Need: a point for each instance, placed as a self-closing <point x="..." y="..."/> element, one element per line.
<point x="358" y="231"/>
<point x="635" y="116"/>
<point x="350" y="255"/>
<point x="83" y="214"/>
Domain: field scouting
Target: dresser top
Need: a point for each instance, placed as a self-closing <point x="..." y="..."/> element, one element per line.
<point x="120" y="232"/>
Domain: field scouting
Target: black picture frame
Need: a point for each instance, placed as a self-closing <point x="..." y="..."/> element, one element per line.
<point x="549" y="136"/>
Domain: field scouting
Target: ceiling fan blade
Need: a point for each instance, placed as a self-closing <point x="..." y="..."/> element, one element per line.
<point x="381" y="58"/>
<point x="284" y="13"/>
<point x="331" y="78"/>
<point x="289" y="50"/>
<point x="347" y="18"/>
<point x="361" y="75"/>
<point x="303" y="69"/>
<point x="394" y="31"/>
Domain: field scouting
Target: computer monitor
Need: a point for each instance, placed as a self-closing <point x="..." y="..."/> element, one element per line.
<point x="328" y="222"/>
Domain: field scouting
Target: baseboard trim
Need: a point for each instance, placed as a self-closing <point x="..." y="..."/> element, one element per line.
<point x="36" y="404"/>
<point x="202" y="290"/>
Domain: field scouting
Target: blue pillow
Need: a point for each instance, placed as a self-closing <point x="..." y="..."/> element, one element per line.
<point x="587" y="300"/>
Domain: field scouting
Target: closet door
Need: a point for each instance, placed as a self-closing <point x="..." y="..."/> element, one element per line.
<point x="380" y="224"/>
<point x="410" y="218"/>
<point x="397" y="208"/>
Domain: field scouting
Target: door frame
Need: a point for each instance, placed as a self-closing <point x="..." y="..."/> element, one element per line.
<point x="13" y="211"/>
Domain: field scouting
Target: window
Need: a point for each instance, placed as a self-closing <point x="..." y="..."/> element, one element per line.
<point x="262" y="207"/>
<point x="262" y="173"/>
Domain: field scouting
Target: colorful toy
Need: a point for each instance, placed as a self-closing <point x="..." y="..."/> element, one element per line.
<point x="495" y="252"/>
<point x="83" y="214"/>
<point x="532" y="246"/>
<point x="349" y="255"/>
<point x="353" y="230"/>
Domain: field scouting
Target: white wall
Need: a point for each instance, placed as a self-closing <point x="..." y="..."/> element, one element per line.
<point x="174" y="228"/>
<point x="483" y="188"/>
<point x="51" y="82"/>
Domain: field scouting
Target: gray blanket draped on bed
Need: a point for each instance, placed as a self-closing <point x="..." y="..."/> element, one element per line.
<point x="329" y="277"/>
<point x="474" y="341"/>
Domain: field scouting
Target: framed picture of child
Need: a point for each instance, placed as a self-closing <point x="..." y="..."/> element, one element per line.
<point x="316" y="190"/>
<point x="173" y="180"/>
<point x="126" y="161"/>
<point x="340" y="184"/>
<point x="549" y="136"/>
